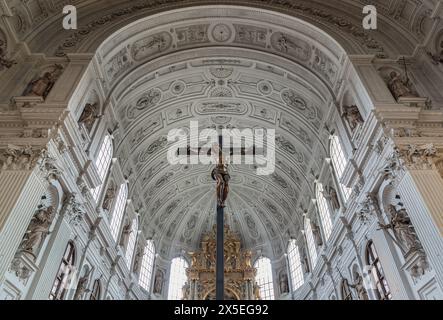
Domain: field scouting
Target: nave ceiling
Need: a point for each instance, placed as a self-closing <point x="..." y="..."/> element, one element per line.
<point x="160" y="79"/>
<point x="225" y="67"/>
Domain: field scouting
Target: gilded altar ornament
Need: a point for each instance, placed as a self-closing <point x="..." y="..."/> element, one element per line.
<point x="239" y="273"/>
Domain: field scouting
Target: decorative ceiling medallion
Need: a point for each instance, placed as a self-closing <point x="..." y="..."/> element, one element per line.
<point x="178" y="87"/>
<point x="221" y="32"/>
<point x="265" y="87"/>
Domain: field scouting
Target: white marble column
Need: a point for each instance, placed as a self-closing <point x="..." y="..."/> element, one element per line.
<point x="21" y="192"/>
<point x="421" y="192"/>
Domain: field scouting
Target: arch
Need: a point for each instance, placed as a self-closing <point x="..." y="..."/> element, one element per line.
<point x="177" y="278"/>
<point x="148" y="95"/>
<point x="264" y="278"/>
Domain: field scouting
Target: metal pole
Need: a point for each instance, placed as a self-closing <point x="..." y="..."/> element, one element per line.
<point x="220" y="268"/>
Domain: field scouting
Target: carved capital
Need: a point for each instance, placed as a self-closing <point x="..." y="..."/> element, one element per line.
<point x="418" y="157"/>
<point x="17" y="158"/>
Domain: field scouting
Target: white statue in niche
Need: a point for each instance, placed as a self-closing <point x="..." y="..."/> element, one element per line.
<point x="38" y="230"/>
<point x="404" y="232"/>
<point x="400" y="87"/>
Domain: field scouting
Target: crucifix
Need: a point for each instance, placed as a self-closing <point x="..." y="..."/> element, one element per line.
<point x="221" y="176"/>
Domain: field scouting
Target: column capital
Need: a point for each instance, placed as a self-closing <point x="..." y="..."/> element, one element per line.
<point x="418" y="157"/>
<point x="20" y="158"/>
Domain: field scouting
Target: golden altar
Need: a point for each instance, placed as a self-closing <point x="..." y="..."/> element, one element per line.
<point x="239" y="273"/>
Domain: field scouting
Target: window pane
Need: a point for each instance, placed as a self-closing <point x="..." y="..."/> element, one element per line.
<point x="325" y="214"/>
<point x="339" y="162"/>
<point x="131" y="243"/>
<point x="177" y="278"/>
<point x="311" y="244"/>
<point x="119" y="209"/>
<point x="264" y="278"/>
<point x="147" y="266"/>
<point x="102" y="162"/>
<point x="295" y="266"/>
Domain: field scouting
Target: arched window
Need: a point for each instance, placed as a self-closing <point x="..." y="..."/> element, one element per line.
<point x="147" y="266"/>
<point x="96" y="290"/>
<point x="131" y="243"/>
<point x="102" y="162"/>
<point x="61" y="283"/>
<point x="382" y="288"/>
<point x="345" y="290"/>
<point x="339" y="162"/>
<point x="311" y="244"/>
<point x="295" y="266"/>
<point x="325" y="213"/>
<point x="177" y="278"/>
<point x="264" y="278"/>
<point x="119" y="209"/>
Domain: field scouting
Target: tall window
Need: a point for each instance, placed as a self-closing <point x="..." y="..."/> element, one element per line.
<point x="61" y="283"/>
<point x="177" y="278"/>
<point x="295" y="267"/>
<point x="311" y="243"/>
<point x="131" y="243"/>
<point x="102" y="162"/>
<point x="345" y="290"/>
<point x="325" y="213"/>
<point x="264" y="278"/>
<point x="96" y="290"/>
<point x="382" y="288"/>
<point x="339" y="162"/>
<point x="119" y="209"/>
<point x="147" y="266"/>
